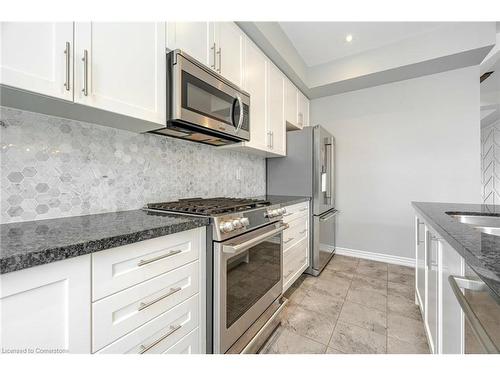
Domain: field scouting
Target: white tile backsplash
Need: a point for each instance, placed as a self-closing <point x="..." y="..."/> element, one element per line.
<point x="53" y="167"/>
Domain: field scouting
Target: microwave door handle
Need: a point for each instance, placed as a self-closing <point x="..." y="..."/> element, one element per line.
<point x="239" y="248"/>
<point x="240" y="118"/>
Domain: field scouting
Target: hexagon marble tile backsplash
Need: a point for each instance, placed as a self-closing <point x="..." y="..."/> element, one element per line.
<point x="53" y="167"/>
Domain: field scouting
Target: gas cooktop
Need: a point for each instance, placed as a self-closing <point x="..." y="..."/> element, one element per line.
<point x="209" y="206"/>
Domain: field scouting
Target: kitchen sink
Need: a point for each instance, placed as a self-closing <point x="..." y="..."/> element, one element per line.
<point x="489" y="224"/>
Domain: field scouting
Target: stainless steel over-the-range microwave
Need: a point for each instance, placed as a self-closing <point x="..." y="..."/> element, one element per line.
<point x="203" y="106"/>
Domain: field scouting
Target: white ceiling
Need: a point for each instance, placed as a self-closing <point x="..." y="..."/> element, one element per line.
<point x="322" y="42"/>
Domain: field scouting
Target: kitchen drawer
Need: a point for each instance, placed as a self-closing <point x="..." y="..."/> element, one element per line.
<point x="297" y="231"/>
<point x="294" y="211"/>
<point x="122" y="267"/>
<point x="163" y="332"/>
<point x="116" y="315"/>
<point x="294" y="259"/>
<point x="189" y="344"/>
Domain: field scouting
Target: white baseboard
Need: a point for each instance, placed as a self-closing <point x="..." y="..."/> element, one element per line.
<point x="393" y="259"/>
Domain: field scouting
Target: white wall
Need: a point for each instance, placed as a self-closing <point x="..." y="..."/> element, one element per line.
<point x="414" y="140"/>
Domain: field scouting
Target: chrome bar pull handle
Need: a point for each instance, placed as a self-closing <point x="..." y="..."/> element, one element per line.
<point x="145" y="305"/>
<point x="457" y="282"/>
<point x="143" y="262"/>
<point x="213" y="48"/>
<point x="238" y="248"/>
<point x="85" y="60"/>
<point x="287" y="241"/>
<point x="67" y="53"/>
<point x="145" y="348"/>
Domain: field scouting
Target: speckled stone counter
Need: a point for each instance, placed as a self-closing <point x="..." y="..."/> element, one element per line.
<point x="28" y="244"/>
<point x="481" y="251"/>
<point x="283" y="200"/>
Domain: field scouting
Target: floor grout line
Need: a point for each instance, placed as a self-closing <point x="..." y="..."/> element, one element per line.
<point x="343" y="300"/>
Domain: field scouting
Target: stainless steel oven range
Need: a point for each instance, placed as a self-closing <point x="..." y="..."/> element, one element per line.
<point x="244" y="269"/>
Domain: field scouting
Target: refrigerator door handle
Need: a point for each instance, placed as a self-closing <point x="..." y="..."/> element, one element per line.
<point x="328" y="215"/>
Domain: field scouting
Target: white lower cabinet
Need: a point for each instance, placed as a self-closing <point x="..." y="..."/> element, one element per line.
<point x="295" y="243"/>
<point x="120" y="313"/>
<point x="433" y="297"/>
<point x="161" y="333"/>
<point x="153" y="294"/>
<point x="147" y="297"/>
<point x="47" y="307"/>
<point x="436" y="260"/>
<point x="452" y="325"/>
<point x="189" y="344"/>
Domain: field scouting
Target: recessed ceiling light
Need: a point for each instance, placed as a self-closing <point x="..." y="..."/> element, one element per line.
<point x="348" y="38"/>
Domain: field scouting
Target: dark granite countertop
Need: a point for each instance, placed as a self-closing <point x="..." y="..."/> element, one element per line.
<point x="481" y="251"/>
<point x="283" y="200"/>
<point x="28" y="244"/>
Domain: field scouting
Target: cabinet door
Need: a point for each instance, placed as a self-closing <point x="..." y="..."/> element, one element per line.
<point x="38" y="57"/>
<point x="47" y="307"/>
<point x="301" y="111"/>
<point x="452" y="326"/>
<point x="193" y="38"/>
<point x="255" y="84"/>
<point x="433" y="295"/>
<point x="306" y="113"/>
<point x="230" y="43"/>
<point x="291" y="96"/>
<point x="276" y="110"/>
<point x="125" y="68"/>
<point x="420" y="265"/>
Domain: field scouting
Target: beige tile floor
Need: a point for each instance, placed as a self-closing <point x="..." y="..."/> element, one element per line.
<point x="355" y="306"/>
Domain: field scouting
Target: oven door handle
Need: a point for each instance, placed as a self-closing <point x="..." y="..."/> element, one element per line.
<point x="238" y="248"/>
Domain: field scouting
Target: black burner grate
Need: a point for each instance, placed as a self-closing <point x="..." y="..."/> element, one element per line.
<point x="210" y="206"/>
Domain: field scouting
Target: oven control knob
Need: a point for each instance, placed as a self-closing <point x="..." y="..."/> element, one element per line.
<point x="244" y="221"/>
<point x="272" y="213"/>
<point x="237" y="224"/>
<point x="226" y="226"/>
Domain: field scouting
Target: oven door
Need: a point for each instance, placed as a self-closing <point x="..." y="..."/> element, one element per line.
<point x="205" y="99"/>
<point x="248" y="279"/>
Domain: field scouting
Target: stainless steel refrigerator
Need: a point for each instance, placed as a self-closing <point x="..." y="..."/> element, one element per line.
<point x="309" y="170"/>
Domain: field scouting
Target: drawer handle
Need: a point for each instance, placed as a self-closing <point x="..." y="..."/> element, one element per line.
<point x="143" y="262"/>
<point x="457" y="282"/>
<point x="290" y="239"/>
<point x="303" y="209"/>
<point x="145" y="305"/>
<point x="303" y="231"/>
<point x="145" y="348"/>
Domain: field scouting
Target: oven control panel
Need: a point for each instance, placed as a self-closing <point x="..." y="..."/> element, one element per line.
<point x="230" y="225"/>
<point x="226" y="226"/>
<point x="276" y="212"/>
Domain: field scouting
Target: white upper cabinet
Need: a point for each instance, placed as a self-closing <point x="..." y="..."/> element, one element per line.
<point x="121" y="67"/>
<point x="276" y="110"/>
<point x="38" y="57"/>
<point x="192" y="38"/>
<point x="303" y="110"/>
<point x="291" y="106"/>
<point x="228" y="40"/>
<point x="255" y="83"/>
